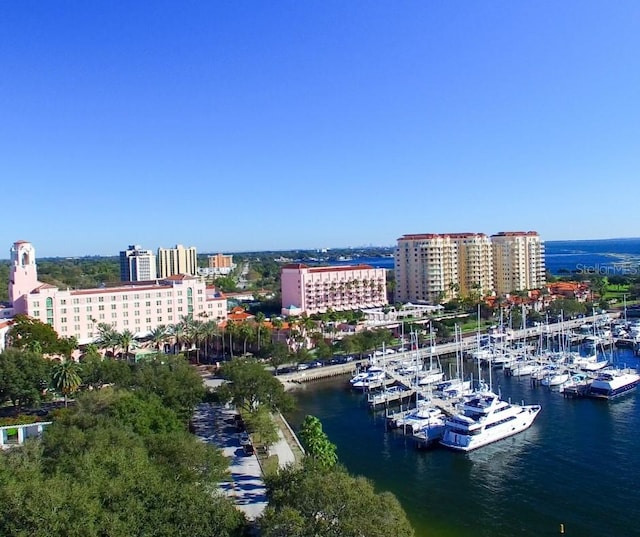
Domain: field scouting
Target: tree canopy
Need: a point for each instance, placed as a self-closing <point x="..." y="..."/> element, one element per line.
<point x="330" y="503"/>
<point x="250" y="385"/>
<point x="316" y="443"/>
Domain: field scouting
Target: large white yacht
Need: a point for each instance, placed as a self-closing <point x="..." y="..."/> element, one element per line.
<point x="485" y="419"/>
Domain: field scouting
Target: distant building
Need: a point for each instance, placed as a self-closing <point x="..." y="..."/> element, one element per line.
<point x="312" y="290"/>
<point x="137" y="264"/>
<point x="137" y="306"/>
<point x="518" y="261"/>
<point x="220" y="261"/>
<point x="178" y="260"/>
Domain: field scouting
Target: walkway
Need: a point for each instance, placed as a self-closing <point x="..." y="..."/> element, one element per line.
<point x="215" y="425"/>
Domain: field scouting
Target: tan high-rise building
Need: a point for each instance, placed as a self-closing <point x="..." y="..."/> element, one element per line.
<point x="475" y="263"/>
<point x="426" y="268"/>
<point x="178" y="260"/>
<point x="518" y="261"/>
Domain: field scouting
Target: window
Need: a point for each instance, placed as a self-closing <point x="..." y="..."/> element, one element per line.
<point x="169" y="310"/>
<point x="113" y="306"/>
<point x="89" y="318"/>
<point x="36" y="304"/>
<point x="63" y="320"/>
<point x="101" y="307"/>
<point x="76" y="310"/>
<point x="114" y="298"/>
<point x="36" y="313"/>
<point x="148" y="320"/>
<point x="136" y="304"/>
<point x="63" y="302"/>
<point x="76" y="301"/>
<point x="125" y="314"/>
<point x="89" y="308"/>
<point x="125" y="322"/>
<point x="158" y="302"/>
<point x="147" y="303"/>
<point x="147" y="295"/>
<point x="114" y="315"/>
<point x="76" y="318"/>
<point x="148" y="312"/>
<point x="180" y="308"/>
<point x="137" y="321"/>
<point x="63" y="310"/>
<point x="88" y="300"/>
<point x="159" y="311"/>
<point x="125" y="297"/>
<point x="101" y="316"/>
<point x="136" y="297"/>
<point x="100" y="299"/>
<point x="125" y="305"/>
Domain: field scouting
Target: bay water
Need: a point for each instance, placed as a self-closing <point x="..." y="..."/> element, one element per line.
<point x="577" y="466"/>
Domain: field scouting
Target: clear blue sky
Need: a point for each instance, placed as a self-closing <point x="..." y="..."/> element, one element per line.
<point x="253" y="125"/>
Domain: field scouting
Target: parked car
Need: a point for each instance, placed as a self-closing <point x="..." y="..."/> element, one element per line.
<point x="244" y="439"/>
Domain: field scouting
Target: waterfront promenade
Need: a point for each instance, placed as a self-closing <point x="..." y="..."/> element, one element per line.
<point x="214" y="424"/>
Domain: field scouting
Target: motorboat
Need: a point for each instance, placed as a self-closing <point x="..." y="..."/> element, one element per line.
<point x="430" y="432"/>
<point x="485" y="418"/>
<point x="555" y="377"/>
<point x="373" y="376"/>
<point x="419" y="418"/>
<point x="522" y="368"/>
<point x="613" y="383"/>
<point x="575" y="382"/>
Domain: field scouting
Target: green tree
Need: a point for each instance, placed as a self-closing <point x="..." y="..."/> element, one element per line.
<point x="24" y="377"/>
<point x="250" y="385"/>
<point x="65" y="378"/>
<point x="260" y="423"/>
<point x="316" y="443"/>
<point x="330" y="503"/>
<point x="32" y="334"/>
<point x="280" y="355"/>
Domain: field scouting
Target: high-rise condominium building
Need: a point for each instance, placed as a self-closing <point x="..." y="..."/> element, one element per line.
<point x="178" y="260"/>
<point x="434" y="268"/>
<point x="312" y="290"/>
<point x="426" y="268"/>
<point x="137" y="264"/>
<point x="518" y="261"/>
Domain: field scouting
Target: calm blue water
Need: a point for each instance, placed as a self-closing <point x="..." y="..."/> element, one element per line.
<point x="608" y="257"/>
<point x="577" y="465"/>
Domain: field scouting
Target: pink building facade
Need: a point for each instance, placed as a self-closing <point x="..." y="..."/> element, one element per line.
<point x="137" y="306"/>
<point x="312" y="290"/>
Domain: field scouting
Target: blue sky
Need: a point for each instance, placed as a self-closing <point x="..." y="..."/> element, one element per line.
<point x="235" y="126"/>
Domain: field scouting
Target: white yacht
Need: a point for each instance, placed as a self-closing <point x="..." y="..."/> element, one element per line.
<point x="372" y="377"/>
<point x="556" y="378"/>
<point x="485" y="419"/>
<point x="613" y="383"/>
<point x="419" y="418"/>
<point x="431" y="431"/>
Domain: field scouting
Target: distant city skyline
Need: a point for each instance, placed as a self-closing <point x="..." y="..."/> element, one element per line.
<point x="298" y="125"/>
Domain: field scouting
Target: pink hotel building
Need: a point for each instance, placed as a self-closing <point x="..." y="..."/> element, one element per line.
<point x="312" y="290"/>
<point x="137" y="306"/>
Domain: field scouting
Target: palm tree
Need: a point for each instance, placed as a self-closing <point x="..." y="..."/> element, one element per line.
<point x="127" y="341"/>
<point x="196" y="332"/>
<point x="159" y="336"/>
<point x="66" y="378"/>
<point x="245" y="332"/>
<point x="259" y="325"/>
<point x="107" y="338"/>
<point x="209" y="331"/>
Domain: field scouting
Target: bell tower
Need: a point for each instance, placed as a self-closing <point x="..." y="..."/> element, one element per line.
<point x="23" y="275"/>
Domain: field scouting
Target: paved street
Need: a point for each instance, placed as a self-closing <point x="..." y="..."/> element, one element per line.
<point x="215" y="425"/>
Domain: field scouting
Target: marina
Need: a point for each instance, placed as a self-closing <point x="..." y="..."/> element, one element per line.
<point x="501" y="489"/>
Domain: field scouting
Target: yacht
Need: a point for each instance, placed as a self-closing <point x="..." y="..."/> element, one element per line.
<point x="419" y="418"/>
<point x="485" y="419"/>
<point x="430" y="432"/>
<point x="372" y="377"/>
<point x="613" y="383"/>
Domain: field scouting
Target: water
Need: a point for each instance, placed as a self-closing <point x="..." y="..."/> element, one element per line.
<point x="576" y="465"/>
<point x="606" y="256"/>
